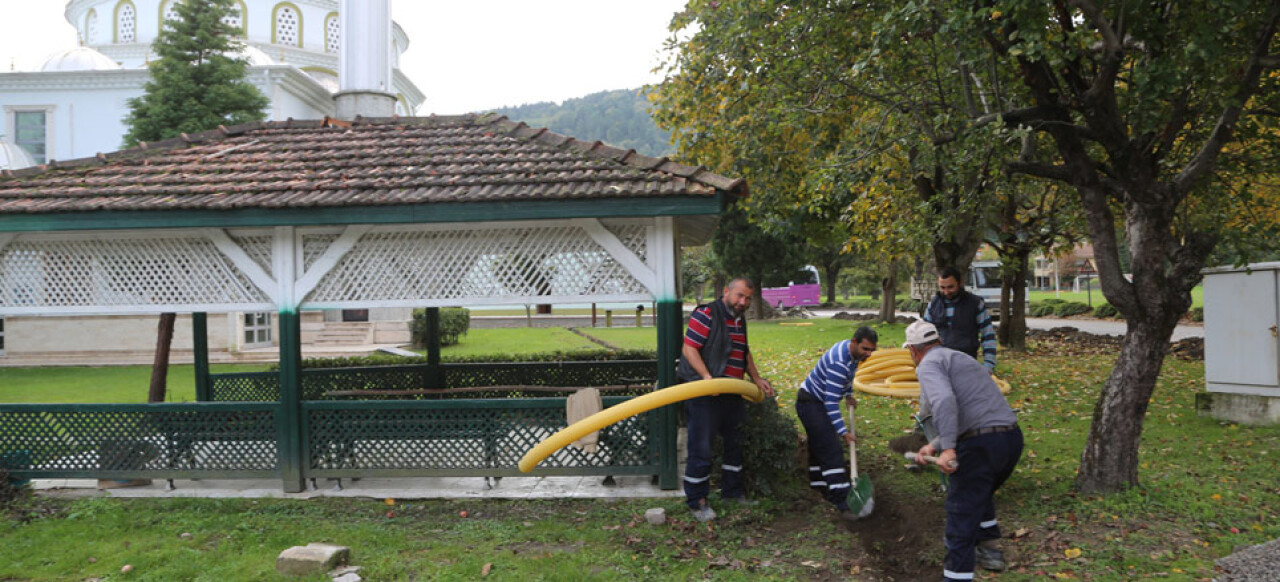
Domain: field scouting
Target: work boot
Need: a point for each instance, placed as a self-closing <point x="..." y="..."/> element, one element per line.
<point x="703" y="512"/>
<point x="990" y="558"/>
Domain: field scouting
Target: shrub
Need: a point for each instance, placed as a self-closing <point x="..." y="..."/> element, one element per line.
<point x="1053" y="301"/>
<point x="1105" y="310"/>
<point x="770" y="445"/>
<point x="1040" y="309"/>
<point x="380" y="359"/>
<point x="1196" y="314"/>
<point x="864" y="303"/>
<point x="908" y="304"/>
<point x="454" y="323"/>
<point x="1068" y="308"/>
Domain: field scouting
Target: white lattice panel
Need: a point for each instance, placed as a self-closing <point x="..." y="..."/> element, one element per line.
<point x="634" y="237"/>
<point x="258" y="247"/>
<point x="47" y="274"/>
<point x="527" y="263"/>
<point x="314" y="245"/>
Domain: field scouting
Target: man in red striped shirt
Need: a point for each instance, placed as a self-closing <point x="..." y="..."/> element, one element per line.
<point x="715" y="346"/>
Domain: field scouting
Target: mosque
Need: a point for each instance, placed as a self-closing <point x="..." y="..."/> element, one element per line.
<point x="74" y="105"/>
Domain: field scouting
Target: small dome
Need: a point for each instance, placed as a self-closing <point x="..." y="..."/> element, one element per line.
<point x="81" y="58"/>
<point x="13" y="157"/>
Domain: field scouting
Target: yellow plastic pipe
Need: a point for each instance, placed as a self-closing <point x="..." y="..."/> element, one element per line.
<point x="630" y="408"/>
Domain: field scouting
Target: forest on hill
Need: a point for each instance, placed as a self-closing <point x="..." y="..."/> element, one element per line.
<point x="619" y="118"/>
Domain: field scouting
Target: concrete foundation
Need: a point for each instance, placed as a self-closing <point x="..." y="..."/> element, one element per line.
<point x="1251" y="409"/>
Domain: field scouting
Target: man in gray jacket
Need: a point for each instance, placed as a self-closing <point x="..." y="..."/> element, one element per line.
<point x="978" y="444"/>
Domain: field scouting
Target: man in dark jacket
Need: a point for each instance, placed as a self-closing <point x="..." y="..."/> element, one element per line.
<point x="715" y="346"/>
<point x="961" y="319"/>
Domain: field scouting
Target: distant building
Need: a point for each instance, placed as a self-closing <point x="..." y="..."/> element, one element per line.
<point x="74" y="105"/>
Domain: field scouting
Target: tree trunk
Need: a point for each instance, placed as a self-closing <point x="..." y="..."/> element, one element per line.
<point x="888" y="297"/>
<point x="160" y="368"/>
<point x="1012" y="332"/>
<point x="1110" y="459"/>
<point x="832" y="272"/>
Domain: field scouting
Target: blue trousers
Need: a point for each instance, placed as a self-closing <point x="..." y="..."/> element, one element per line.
<point x="986" y="462"/>
<point x="827" y="474"/>
<point x="706" y="417"/>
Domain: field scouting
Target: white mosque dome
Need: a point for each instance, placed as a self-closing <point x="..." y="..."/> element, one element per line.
<point x="81" y="58"/>
<point x="13" y="157"/>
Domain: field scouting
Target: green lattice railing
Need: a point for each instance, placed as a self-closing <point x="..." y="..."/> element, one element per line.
<point x="130" y="441"/>
<point x="456" y="438"/>
<point x="323" y="383"/>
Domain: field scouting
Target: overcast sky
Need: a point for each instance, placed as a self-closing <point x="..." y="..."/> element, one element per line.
<point x="464" y="55"/>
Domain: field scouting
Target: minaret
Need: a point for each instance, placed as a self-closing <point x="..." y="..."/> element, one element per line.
<point x="364" y="59"/>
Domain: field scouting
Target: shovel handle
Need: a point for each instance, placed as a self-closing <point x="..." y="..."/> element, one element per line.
<point x="853" y="447"/>
<point x="913" y="456"/>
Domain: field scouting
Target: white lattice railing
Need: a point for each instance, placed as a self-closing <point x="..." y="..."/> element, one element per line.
<point x="357" y="266"/>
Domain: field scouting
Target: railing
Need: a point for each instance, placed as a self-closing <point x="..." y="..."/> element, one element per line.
<point x="137" y="441"/>
<point x="483" y="437"/>
<point x="356" y="422"/>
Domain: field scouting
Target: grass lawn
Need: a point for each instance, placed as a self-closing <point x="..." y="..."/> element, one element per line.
<point x="517" y="340"/>
<point x="1207" y="488"/>
<point x="1197" y="296"/>
<point x="104" y="384"/>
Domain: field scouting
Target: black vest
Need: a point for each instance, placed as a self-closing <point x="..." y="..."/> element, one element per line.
<point x="960" y="332"/>
<point x="715" y="351"/>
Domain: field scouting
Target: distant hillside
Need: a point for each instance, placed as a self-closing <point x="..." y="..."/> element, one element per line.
<point x="619" y="118"/>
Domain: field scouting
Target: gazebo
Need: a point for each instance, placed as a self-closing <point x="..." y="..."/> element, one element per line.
<point x="330" y="214"/>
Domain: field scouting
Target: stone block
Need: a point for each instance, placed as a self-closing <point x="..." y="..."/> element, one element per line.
<point x="656" y="516"/>
<point x="311" y="559"/>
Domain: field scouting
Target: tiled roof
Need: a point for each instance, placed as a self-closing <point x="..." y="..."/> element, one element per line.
<point x="369" y="162"/>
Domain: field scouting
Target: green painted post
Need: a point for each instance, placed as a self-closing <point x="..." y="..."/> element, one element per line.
<point x="200" y="347"/>
<point x="436" y="378"/>
<point x="289" y="422"/>
<point x="670" y="324"/>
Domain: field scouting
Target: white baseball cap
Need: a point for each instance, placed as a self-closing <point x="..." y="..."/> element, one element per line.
<point x="921" y="332"/>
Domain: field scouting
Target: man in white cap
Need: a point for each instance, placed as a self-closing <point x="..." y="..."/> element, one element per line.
<point x="978" y="444"/>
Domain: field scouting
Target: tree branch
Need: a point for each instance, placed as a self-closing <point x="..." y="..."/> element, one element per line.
<point x="1041" y="170"/>
<point x="1207" y="157"/>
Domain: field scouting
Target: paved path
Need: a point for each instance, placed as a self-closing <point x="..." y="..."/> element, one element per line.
<point x="1093" y="326"/>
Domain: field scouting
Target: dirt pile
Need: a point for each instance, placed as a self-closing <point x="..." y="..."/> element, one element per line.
<point x="1071" y="341"/>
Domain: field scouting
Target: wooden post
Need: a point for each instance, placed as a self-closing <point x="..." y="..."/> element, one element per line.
<point x="436" y="378"/>
<point x="200" y="349"/>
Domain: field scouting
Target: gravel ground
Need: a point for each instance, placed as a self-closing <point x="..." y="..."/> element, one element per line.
<point x="1255" y="563"/>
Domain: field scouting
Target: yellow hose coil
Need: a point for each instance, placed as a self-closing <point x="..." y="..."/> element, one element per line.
<point x="630" y="408"/>
<point x="888" y="373"/>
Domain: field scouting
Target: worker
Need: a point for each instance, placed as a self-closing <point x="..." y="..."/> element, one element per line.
<point x="961" y="319"/>
<point x="978" y="444"/>
<point x="818" y="406"/>
<point x="715" y="346"/>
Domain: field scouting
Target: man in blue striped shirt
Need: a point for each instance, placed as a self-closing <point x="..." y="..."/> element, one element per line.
<point x="818" y="406"/>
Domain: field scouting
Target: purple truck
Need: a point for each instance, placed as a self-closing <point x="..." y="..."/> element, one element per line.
<point x="803" y="290"/>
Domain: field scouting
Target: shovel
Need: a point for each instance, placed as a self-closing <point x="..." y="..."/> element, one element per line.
<point x="860" y="499"/>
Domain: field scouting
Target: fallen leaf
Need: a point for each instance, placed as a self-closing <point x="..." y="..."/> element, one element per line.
<point x="1073" y="553"/>
<point x="485" y="570"/>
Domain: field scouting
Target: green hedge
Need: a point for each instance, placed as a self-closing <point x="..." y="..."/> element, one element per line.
<point x="1106" y="310"/>
<point x="1197" y="314"/>
<point x="864" y="303"/>
<point x="1070" y="308"/>
<point x="908" y="304"/>
<point x="1040" y="309"/>
<point x="454" y="323"/>
<point x="379" y="359"/>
